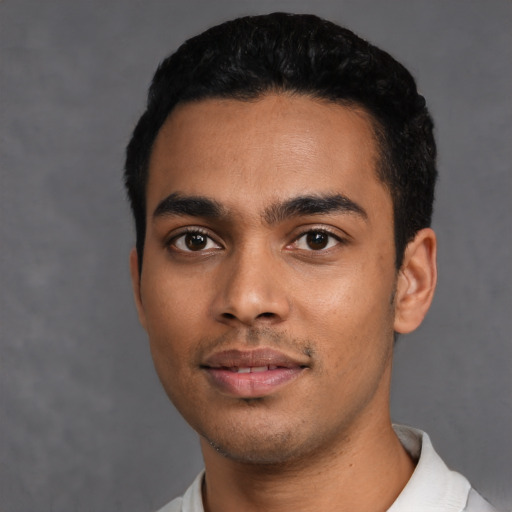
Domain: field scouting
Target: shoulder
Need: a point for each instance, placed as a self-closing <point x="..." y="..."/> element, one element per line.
<point x="175" y="505"/>
<point x="477" y="504"/>
<point x="433" y="486"/>
<point x="191" y="501"/>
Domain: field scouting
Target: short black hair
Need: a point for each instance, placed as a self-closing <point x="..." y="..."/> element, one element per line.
<point x="249" y="57"/>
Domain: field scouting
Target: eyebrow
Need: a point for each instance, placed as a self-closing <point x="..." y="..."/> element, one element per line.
<point x="313" y="205"/>
<point x="192" y="206"/>
<point x="177" y="204"/>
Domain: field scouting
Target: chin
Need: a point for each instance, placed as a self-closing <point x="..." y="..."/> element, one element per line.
<point x="266" y="453"/>
<point x="261" y="446"/>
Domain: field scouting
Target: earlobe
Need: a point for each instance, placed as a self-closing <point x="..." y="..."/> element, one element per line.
<point x="416" y="281"/>
<point x="135" y="275"/>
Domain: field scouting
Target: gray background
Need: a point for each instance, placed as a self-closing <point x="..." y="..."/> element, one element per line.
<point x="84" y="424"/>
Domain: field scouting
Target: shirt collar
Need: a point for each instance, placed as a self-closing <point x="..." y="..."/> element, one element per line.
<point x="432" y="487"/>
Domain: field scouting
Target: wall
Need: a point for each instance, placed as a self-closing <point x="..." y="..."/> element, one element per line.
<point x="85" y="425"/>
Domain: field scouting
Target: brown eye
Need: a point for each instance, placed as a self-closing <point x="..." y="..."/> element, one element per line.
<point x="317" y="240"/>
<point x="196" y="241"/>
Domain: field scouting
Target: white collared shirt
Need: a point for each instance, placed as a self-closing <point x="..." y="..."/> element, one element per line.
<point x="432" y="487"/>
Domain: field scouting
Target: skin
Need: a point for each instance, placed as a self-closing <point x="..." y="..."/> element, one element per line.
<point x="320" y="288"/>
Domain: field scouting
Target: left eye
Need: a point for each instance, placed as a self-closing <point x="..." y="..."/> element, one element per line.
<point x="316" y="241"/>
<point x="194" y="242"/>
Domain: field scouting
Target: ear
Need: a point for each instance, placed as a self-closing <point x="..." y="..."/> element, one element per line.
<point x="416" y="281"/>
<point x="135" y="274"/>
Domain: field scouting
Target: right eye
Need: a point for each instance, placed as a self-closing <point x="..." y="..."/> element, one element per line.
<point x="194" y="241"/>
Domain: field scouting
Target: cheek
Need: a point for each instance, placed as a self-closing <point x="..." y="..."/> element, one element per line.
<point x="350" y="316"/>
<point x="173" y="312"/>
<point x="172" y="326"/>
<point x="169" y="295"/>
<point x="339" y="299"/>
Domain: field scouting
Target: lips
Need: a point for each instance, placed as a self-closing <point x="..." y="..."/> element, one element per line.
<point x="253" y="369"/>
<point x="252" y="374"/>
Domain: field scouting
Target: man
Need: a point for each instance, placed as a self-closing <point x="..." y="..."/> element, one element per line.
<point x="282" y="181"/>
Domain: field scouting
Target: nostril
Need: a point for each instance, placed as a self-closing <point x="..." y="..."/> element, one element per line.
<point x="229" y="316"/>
<point x="266" y="315"/>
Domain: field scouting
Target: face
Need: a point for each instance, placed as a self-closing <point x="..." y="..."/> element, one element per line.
<point x="268" y="276"/>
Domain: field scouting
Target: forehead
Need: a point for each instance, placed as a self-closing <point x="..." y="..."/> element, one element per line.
<point x="274" y="147"/>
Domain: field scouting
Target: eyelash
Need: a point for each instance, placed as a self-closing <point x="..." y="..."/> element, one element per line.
<point x="323" y="231"/>
<point x="171" y="242"/>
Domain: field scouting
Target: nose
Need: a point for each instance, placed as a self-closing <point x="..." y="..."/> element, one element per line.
<point x="251" y="290"/>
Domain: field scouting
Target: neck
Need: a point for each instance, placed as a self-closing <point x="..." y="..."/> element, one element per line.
<point x="364" y="472"/>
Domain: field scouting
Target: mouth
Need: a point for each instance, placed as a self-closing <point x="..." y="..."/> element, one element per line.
<point x="251" y="369"/>
<point x="252" y="374"/>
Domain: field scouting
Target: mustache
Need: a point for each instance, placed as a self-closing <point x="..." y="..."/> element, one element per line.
<point x="252" y="338"/>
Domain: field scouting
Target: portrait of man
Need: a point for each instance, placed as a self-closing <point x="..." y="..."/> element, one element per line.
<point x="282" y="182"/>
<point x="256" y="256"/>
